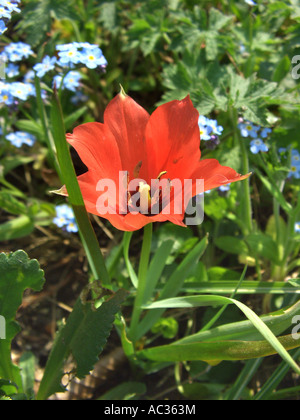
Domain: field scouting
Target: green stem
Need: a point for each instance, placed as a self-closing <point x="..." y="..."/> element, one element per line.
<point x="290" y="242"/>
<point x="69" y="178"/>
<point x="276" y="209"/>
<point x="142" y="277"/>
<point x="43" y="116"/>
<point x="246" y="205"/>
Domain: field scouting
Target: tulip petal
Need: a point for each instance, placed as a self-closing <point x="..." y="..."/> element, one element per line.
<point x="173" y="139"/>
<point x="126" y="121"/>
<point x="97" y="149"/>
<point x="215" y="175"/>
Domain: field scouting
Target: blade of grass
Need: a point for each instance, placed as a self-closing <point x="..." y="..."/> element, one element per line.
<point x="156" y="268"/>
<point x="142" y="280"/>
<point x="221" y="311"/>
<point x="243" y="380"/>
<point x="173" y="285"/>
<point x="275" y="379"/>
<point x="211" y="300"/>
<point x="217" y="351"/>
<point x="130" y="269"/>
<point x="249" y="287"/>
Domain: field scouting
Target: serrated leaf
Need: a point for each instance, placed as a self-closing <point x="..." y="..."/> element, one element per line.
<point x="37" y="17"/>
<point x="83" y="336"/>
<point x="92" y="334"/>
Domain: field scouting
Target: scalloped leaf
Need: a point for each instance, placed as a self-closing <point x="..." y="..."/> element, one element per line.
<point x="17" y="273"/>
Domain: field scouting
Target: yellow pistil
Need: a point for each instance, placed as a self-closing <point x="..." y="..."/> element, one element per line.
<point x="145" y="198"/>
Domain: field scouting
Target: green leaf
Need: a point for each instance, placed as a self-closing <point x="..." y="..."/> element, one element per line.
<point x="262" y="349"/>
<point x="251" y="96"/>
<point x="29" y="126"/>
<point x="71" y="119"/>
<point x="232" y="245"/>
<point x="228" y="286"/>
<point x="156" y="267"/>
<point x="282" y="69"/>
<point x="275" y="192"/>
<point x="263" y="246"/>
<point x="125" y="391"/>
<point x="84" y="336"/>
<point x="17" y="273"/>
<point x="173" y="285"/>
<point x="130" y="269"/>
<point x="37" y="17"/>
<point x="69" y="179"/>
<point x="18" y="227"/>
<point x="216" y="352"/>
<point x="8" y="163"/>
<point x="10" y="204"/>
<point x="27" y="365"/>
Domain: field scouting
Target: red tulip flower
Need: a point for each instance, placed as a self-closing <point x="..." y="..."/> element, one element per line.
<point x="132" y="150"/>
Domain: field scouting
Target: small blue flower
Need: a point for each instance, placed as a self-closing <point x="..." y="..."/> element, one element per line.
<point x="217" y="129"/>
<point x="251" y="2"/>
<point x="84" y="53"/>
<point x="297" y="227"/>
<point x="79" y="97"/>
<point x="209" y="131"/>
<point x="20" y="90"/>
<point x="10" y="6"/>
<point x="257" y="146"/>
<point x="68" y="55"/>
<point x="92" y="58"/>
<point x="295" y="172"/>
<point x="3" y="28"/>
<point x="65" y="218"/>
<point x="295" y="157"/>
<point x="46" y="65"/>
<point x="19" y="138"/>
<point x="72" y="227"/>
<point x="5" y="95"/>
<point x="29" y="77"/>
<point x="11" y="70"/>
<point x="224" y="188"/>
<point x="17" y="51"/>
<point x="4" y="12"/>
<point x="205" y="131"/>
<point x="248" y="129"/>
<point x="71" y="81"/>
<point x="265" y="132"/>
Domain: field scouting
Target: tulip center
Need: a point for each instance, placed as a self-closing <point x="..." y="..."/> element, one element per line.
<point x="146" y="199"/>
